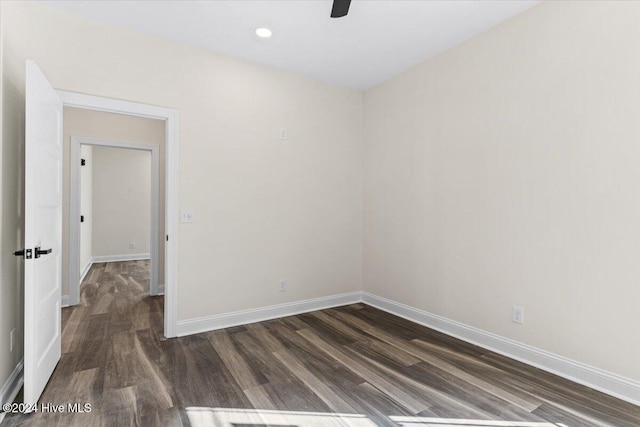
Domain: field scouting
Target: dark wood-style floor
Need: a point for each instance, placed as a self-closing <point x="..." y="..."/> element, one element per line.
<point x="349" y="366"/>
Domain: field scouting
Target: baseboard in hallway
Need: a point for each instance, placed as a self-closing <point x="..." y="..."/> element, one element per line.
<point x="119" y="258"/>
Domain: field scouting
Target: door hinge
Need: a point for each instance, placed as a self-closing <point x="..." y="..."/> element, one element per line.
<point x="81" y="218"/>
<point x="167" y="237"/>
<point x="25" y="253"/>
<point x="83" y="162"/>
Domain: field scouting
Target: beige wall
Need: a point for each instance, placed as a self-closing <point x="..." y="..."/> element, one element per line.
<point x="122" y="201"/>
<point x="505" y="172"/>
<point x="265" y="209"/>
<point x="86" y="209"/>
<point x="118" y="127"/>
<point x="12" y="197"/>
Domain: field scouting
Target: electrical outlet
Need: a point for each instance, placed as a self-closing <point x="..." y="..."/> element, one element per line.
<point x="132" y="245"/>
<point x="517" y="315"/>
<point x="12" y="336"/>
<point x="284" y="134"/>
<point x="283" y="285"/>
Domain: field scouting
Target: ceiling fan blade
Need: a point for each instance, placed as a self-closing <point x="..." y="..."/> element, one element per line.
<point x="340" y="8"/>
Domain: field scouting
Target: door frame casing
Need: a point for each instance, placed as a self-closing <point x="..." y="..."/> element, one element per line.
<point x="74" y="209"/>
<point x="171" y="119"/>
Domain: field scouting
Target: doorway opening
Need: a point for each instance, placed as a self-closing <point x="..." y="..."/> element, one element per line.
<point x="116" y="201"/>
<point x="158" y="254"/>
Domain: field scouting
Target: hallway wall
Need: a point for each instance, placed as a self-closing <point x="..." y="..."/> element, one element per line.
<point x="121" y="201"/>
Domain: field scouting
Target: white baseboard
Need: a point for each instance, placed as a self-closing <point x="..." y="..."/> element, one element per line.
<point x="226" y="320"/>
<point x="12" y="386"/>
<point x="86" y="269"/>
<point x="64" y="301"/>
<point x="598" y="379"/>
<point x="114" y="258"/>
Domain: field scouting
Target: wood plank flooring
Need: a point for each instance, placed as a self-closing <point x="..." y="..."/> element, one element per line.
<point x="348" y="366"/>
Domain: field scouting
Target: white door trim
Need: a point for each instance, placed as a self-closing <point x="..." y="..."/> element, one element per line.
<point x="171" y="118"/>
<point x="74" y="208"/>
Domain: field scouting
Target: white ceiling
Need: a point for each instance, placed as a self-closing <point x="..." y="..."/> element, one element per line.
<point x="377" y="40"/>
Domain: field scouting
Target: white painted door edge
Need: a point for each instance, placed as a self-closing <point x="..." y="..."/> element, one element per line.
<point x="171" y="118"/>
<point x="42" y="216"/>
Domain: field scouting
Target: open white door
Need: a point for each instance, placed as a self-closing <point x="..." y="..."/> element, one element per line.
<point x="43" y="232"/>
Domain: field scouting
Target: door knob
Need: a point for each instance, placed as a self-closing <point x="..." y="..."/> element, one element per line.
<point x="37" y="251"/>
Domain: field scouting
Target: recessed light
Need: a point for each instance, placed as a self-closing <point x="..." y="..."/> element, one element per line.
<point x="263" y="32"/>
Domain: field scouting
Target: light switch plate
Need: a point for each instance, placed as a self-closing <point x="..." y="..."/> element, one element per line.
<point x="186" y="215"/>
